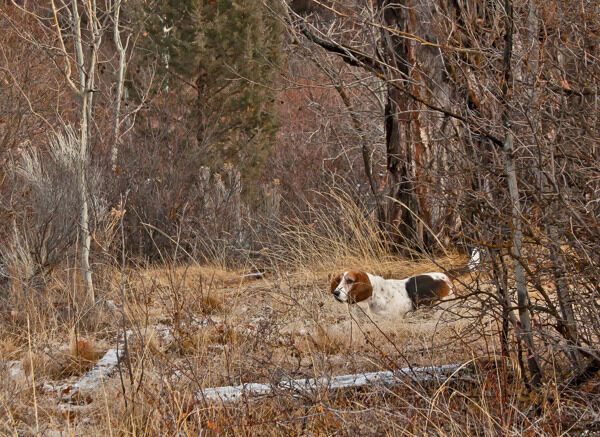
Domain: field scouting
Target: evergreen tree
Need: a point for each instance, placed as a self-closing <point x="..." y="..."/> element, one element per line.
<point x="171" y="32"/>
<point x="239" y="46"/>
<point x="231" y="50"/>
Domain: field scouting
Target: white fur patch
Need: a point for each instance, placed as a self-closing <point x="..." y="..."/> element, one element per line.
<point x="390" y="297"/>
<point x="342" y="290"/>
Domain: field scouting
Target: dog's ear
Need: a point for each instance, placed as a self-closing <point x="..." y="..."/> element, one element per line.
<point x="361" y="288"/>
<point x="334" y="281"/>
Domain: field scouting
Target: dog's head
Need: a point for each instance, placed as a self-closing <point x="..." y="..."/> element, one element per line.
<point x="352" y="286"/>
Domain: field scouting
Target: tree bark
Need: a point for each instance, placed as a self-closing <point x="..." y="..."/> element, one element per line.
<point x="403" y="209"/>
<point x="517" y="233"/>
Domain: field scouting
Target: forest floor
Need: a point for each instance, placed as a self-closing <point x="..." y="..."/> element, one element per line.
<point x="181" y="330"/>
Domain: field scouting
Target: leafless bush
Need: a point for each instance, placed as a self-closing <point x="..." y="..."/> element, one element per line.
<point x="46" y="199"/>
<point x="174" y="201"/>
<point x="491" y="131"/>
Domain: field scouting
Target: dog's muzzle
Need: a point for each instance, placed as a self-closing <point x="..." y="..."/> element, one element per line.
<point x="336" y="294"/>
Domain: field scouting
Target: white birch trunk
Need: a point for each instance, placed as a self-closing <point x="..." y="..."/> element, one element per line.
<point x="120" y="81"/>
<point x="86" y="88"/>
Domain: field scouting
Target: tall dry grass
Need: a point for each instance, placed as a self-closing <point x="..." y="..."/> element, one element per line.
<point x="195" y="325"/>
<point x="339" y="232"/>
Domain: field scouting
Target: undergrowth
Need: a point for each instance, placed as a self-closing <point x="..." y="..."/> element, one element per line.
<point x="191" y="326"/>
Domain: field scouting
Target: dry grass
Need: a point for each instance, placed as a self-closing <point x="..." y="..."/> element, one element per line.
<point x="258" y="330"/>
<point x="197" y="326"/>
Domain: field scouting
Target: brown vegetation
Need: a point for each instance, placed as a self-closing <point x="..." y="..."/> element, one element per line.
<point x="392" y="137"/>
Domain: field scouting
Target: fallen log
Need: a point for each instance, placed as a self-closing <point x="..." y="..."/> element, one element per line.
<point x="388" y="378"/>
<point x="254" y="275"/>
<point x="102" y="370"/>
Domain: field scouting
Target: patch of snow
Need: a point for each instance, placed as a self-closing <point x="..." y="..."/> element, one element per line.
<point x="15" y="369"/>
<point x="103" y="368"/>
<point x="233" y="392"/>
<point x="110" y="304"/>
<point x="164" y="332"/>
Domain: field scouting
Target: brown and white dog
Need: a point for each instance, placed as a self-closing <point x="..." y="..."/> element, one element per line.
<point x="391" y="297"/>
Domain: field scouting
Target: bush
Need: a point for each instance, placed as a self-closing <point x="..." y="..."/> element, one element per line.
<point x="46" y="205"/>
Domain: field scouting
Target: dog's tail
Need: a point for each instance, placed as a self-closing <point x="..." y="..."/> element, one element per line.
<point x="472" y="265"/>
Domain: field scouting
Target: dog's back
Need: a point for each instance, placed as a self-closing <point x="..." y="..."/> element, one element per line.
<point x="428" y="288"/>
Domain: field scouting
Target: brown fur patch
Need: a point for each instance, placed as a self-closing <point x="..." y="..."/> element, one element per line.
<point x="442" y="289"/>
<point x="361" y="287"/>
<point x="335" y="282"/>
<point x="424" y="290"/>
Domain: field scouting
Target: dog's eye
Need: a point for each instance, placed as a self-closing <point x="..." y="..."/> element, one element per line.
<point x="349" y="281"/>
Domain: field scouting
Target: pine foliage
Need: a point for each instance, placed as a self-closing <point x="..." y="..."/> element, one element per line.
<point x="239" y="46"/>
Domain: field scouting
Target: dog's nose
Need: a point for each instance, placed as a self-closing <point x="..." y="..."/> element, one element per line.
<point x="336" y="293"/>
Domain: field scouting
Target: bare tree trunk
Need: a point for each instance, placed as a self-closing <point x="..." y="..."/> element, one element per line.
<point x="413" y="213"/>
<point x="120" y="81"/>
<point x="86" y="94"/>
<point x="517" y="242"/>
<point x="517" y="233"/>
<point x="402" y="209"/>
